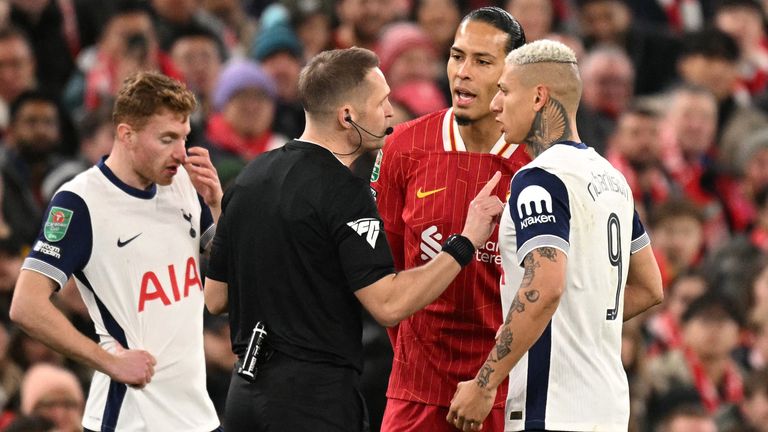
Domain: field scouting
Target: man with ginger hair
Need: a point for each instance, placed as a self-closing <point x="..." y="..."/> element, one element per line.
<point x="572" y="227"/>
<point x="130" y="231"/>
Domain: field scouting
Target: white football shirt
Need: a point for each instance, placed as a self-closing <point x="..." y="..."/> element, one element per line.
<point x="134" y="255"/>
<point x="572" y="199"/>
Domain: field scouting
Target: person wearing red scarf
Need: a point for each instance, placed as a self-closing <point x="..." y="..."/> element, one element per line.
<point x="244" y="101"/>
<point x="702" y="370"/>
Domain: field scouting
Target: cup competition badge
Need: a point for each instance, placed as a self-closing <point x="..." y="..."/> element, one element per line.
<point x="57" y="223"/>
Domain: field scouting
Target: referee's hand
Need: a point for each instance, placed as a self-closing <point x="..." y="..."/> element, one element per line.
<point x="483" y="213"/>
<point x="132" y="367"/>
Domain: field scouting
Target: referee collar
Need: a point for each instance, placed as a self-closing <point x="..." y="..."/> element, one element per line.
<point x="130" y="190"/>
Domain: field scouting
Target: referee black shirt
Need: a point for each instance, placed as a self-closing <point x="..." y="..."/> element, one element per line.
<point x="298" y="235"/>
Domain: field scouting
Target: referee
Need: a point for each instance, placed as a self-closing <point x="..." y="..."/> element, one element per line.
<point x="300" y="246"/>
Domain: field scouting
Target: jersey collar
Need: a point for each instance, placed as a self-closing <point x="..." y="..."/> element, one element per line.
<point x="578" y="145"/>
<point x="130" y="190"/>
<point x="452" y="140"/>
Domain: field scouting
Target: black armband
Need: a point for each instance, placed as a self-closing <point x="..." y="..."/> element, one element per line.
<point x="460" y="248"/>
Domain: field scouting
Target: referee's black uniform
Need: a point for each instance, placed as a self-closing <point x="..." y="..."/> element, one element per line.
<point x="298" y="234"/>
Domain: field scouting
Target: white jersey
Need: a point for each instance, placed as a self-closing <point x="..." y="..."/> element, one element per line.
<point x="572" y="199"/>
<point x="134" y="255"/>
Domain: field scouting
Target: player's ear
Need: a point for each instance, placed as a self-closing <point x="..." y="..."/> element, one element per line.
<point x="540" y="97"/>
<point x="124" y="133"/>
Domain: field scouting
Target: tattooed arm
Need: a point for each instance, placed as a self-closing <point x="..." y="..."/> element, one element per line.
<point x="535" y="303"/>
<point x="644" y="288"/>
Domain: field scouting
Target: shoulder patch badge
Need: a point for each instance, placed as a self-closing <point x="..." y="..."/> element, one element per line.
<point x="377" y="166"/>
<point x="57" y="224"/>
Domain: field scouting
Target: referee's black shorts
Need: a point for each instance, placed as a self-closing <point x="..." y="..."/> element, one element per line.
<point x="295" y="395"/>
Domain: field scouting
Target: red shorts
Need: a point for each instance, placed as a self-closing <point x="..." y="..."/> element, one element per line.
<point x="408" y="416"/>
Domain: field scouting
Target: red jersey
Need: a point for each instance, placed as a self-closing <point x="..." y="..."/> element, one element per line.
<point x="424" y="181"/>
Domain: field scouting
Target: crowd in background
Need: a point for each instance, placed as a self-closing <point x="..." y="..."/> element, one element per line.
<point x="675" y="96"/>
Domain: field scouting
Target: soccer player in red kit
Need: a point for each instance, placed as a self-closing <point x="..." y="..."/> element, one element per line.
<point x="424" y="179"/>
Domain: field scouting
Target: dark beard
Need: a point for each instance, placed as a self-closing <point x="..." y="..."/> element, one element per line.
<point x="463" y="120"/>
<point x="32" y="154"/>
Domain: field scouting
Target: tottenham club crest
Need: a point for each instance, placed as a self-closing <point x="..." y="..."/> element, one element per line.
<point x="368" y="227"/>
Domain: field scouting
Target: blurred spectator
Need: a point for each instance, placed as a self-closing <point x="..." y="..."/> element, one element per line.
<point x="198" y="56"/>
<point x="677" y="228"/>
<point x="739" y="194"/>
<point x="744" y="21"/>
<point x="709" y="59"/>
<point x="174" y="17"/>
<point x="439" y="19"/>
<point x="96" y="138"/>
<point x="635" y="149"/>
<point x="128" y="44"/>
<point x="236" y="20"/>
<point x="361" y="22"/>
<point x="30" y="151"/>
<point x="607" y="75"/>
<point x="688" y="138"/>
<point x="651" y="50"/>
<point x="406" y="54"/>
<point x="536" y="16"/>
<point x="17" y="69"/>
<point x="245" y="108"/>
<point x="312" y="20"/>
<point x="751" y="415"/>
<point x="54" y="393"/>
<point x="679" y="16"/>
<point x="688" y="418"/>
<point x="52" y="28"/>
<point x="280" y="55"/>
<point x="703" y="370"/>
<point x="664" y="326"/>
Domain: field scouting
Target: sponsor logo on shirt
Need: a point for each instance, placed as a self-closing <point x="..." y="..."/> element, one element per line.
<point x="57" y="223"/>
<point x="47" y="249"/>
<point x="430" y="243"/>
<point x="369" y="227"/>
<point x="534" y="206"/>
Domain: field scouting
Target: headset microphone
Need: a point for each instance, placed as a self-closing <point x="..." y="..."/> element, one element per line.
<point x="388" y="131"/>
<point x="357" y="127"/>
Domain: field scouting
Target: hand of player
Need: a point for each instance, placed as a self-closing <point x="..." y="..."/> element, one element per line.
<point x="470" y="405"/>
<point x="483" y="213"/>
<point x="132" y="367"/>
<point x="204" y="176"/>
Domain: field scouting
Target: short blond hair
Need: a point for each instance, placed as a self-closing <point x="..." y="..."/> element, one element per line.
<point x="542" y="51"/>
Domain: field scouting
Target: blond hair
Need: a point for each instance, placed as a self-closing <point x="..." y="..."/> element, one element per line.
<point x="542" y="51"/>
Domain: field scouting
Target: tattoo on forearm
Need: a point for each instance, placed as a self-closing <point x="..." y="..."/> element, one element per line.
<point x="530" y="265"/>
<point x="504" y="344"/>
<point x="549" y="253"/>
<point x="484" y="375"/>
<point x="549" y="126"/>
<point x="517" y="306"/>
<point x="532" y="296"/>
